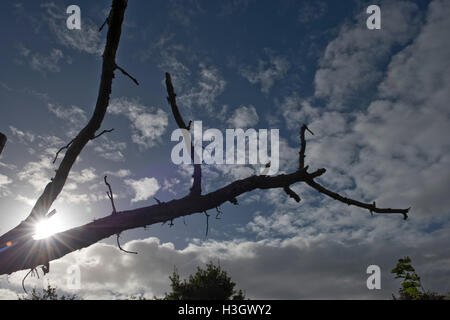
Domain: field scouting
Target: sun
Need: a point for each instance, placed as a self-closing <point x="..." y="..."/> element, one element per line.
<point x="46" y="228"/>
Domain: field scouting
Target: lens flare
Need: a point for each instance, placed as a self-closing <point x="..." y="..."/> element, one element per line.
<point x="46" y="228"/>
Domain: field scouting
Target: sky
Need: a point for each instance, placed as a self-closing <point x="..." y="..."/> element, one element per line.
<point x="376" y="100"/>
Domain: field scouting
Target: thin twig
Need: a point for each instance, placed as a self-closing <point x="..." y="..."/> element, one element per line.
<point x="196" y="188"/>
<point x="2" y="142"/>
<point x="23" y="280"/>
<point x="301" y="158"/>
<point x="127" y="74"/>
<point x="110" y="195"/>
<point x="369" y="206"/>
<point x="126" y="251"/>
<point x="102" y="133"/>
<point x="291" y="193"/>
<point x="207" y="224"/>
<point x="65" y="147"/>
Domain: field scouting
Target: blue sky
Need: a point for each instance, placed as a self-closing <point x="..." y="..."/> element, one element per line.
<point x="375" y="99"/>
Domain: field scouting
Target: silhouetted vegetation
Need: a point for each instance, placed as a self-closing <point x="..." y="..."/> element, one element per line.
<point x="411" y="287"/>
<point x="48" y="293"/>
<point x="211" y="283"/>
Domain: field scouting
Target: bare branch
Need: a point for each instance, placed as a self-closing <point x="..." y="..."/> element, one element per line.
<point x="110" y="195"/>
<point x="207" y="224"/>
<point x="25" y="229"/>
<point x="196" y="188"/>
<point x="127" y="74"/>
<point x="102" y="133"/>
<point x="301" y="158"/>
<point x="61" y="149"/>
<point x="369" y="206"/>
<point x="121" y="249"/>
<point x="291" y="194"/>
<point x="2" y="142"/>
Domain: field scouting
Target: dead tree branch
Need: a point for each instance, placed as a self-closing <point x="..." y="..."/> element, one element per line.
<point x="61" y="149"/>
<point x="102" y="133"/>
<point x="110" y="195"/>
<point x="196" y="189"/>
<point x="18" y="251"/>
<point x="24" y="230"/>
<point x="2" y="142"/>
<point x="127" y="74"/>
<point x="120" y="247"/>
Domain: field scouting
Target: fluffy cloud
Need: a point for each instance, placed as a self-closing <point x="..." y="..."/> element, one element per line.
<point x="73" y="115"/>
<point x="148" y="124"/>
<point x="351" y="62"/>
<point x="143" y="188"/>
<point x="40" y="62"/>
<point x="268" y="269"/>
<point x="88" y="39"/>
<point x="244" y="117"/>
<point x="4" y="181"/>
<point x="110" y="150"/>
<point x="267" y="72"/>
<point x="210" y="85"/>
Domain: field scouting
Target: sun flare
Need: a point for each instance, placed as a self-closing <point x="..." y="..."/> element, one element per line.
<point x="46" y="228"/>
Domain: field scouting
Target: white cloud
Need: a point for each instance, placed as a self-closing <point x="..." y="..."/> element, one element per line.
<point x="23" y="136"/>
<point x="40" y="62"/>
<point x="73" y="115"/>
<point x="351" y="62"/>
<point x="121" y="173"/>
<point x="110" y="150"/>
<point x="244" y="117"/>
<point x="86" y="175"/>
<point x="87" y="39"/>
<point x="267" y="72"/>
<point x="4" y="181"/>
<point x="268" y="269"/>
<point x="148" y="124"/>
<point x="143" y="188"/>
<point x="210" y="85"/>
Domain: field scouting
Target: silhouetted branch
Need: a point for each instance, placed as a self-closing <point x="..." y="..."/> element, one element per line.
<point x="371" y="207"/>
<point x="61" y="149"/>
<point x="127" y="74"/>
<point x="207" y="224"/>
<point x="291" y="194"/>
<point x="2" y="142"/>
<point x="18" y="251"/>
<point x="303" y="146"/>
<point x="25" y="229"/>
<point x="110" y="195"/>
<point x="121" y="249"/>
<point x="196" y="188"/>
<point x="102" y="133"/>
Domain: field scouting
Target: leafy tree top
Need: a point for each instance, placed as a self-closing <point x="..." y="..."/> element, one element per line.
<point x="211" y="283"/>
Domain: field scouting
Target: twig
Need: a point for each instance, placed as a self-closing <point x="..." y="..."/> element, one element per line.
<point x="24" y="278"/>
<point x="2" y="142"/>
<point x="110" y="196"/>
<point x="126" y="251"/>
<point x="219" y="213"/>
<point x="303" y="146"/>
<point x="292" y="194"/>
<point x="196" y="188"/>
<point x="369" y="206"/>
<point x="127" y="74"/>
<point x="102" y="133"/>
<point x="207" y="224"/>
<point x="65" y="147"/>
